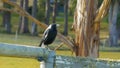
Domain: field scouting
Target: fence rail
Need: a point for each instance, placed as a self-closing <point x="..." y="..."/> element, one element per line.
<point x="77" y="62"/>
<point x="16" y="50"/>
<point x="50" y="60"/>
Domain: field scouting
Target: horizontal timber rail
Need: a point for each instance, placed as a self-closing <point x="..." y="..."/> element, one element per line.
<point x="79" y="62"/>
<point x="15" y="50"/>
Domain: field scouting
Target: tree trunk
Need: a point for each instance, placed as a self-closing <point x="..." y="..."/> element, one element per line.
<point x="24" y="22"/>
<point x="86" y="30"/>
<point x="54" y="11"/>
<point x="34" y="10"/>
<point x="7" y="19"/>
<point x="66" y="17"/>
<point x="118" y="23"/>
<point x="113" y="34"/>
<point x="21" y="17"/>
<point x="47" y="13"/>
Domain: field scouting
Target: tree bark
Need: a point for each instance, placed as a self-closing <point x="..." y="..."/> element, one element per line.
<point x="87" y="26"/>
<point x="66" y="17"/>
<point x="34" y="12"/>
<point x="47" y="13"/>
<point x="113" y="34"/>
<point x="86" y="37"/>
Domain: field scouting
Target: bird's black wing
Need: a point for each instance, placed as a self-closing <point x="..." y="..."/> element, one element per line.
<point x="45" y="34"/>
<point x="50" y="37"/>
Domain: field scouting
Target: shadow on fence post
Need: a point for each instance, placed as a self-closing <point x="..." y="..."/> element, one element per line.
<point x="49" y="62"/>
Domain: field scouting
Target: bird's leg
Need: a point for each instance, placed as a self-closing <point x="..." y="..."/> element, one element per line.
<point x="47" y="47"/>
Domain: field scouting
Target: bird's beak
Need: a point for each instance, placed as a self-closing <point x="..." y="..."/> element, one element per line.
<point x="57" y="25"/>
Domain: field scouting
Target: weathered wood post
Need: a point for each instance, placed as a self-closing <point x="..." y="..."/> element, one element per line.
<point x="49" y="63"/>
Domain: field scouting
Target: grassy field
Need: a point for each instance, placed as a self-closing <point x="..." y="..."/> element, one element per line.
<point x="7" y="62"/>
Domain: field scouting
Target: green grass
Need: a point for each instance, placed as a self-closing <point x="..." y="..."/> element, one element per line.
<point x="109" y="49"/>
<point x="110" y="55"/>
<point x="107" y="55"/>
<point x="8" y="62"/>
<point x="21" y="39"/>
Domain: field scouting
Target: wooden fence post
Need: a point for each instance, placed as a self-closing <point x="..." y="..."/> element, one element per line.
<point x="49" y="63"/>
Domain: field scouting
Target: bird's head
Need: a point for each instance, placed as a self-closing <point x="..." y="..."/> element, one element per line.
<point x="54" y="26"/>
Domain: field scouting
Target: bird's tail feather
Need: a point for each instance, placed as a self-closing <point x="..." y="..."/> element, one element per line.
<point x="41" y="43"/>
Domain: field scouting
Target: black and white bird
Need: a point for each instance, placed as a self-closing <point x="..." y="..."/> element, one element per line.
<point x="49" y="35"/>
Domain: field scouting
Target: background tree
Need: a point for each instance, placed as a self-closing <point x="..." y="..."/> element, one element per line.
<point x="72" y="5"/>
<point x="87" y="26"/>
<point x="7" y="18"/>
<point x="21" y="17"/>
<point x="113" y="34"/>
<point x="41" y="10"/>
<point x="118" y="23"/>
<point x="66" y="17"/>
<point x="34" y="12"/>
<point x="54" y="11"/>
<point x="23" y="28"/>
<point x="47" y="12"/>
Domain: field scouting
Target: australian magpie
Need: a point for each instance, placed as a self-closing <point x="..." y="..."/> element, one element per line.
<point x="49" y="35"/>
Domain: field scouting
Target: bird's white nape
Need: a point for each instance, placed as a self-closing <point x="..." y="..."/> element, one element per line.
<point x="49" y="26"/>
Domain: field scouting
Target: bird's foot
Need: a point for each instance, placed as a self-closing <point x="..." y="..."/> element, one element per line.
<point x="48" y="48"/>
